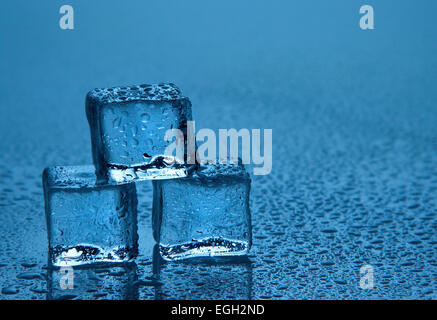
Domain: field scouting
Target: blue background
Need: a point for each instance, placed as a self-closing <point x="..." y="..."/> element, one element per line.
<point x="353" y="114"/>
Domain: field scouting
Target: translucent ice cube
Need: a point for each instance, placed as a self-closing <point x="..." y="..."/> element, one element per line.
<point x="128" y="125"/>
<point x="205" y="214"/>
<point x="88" y="222"/>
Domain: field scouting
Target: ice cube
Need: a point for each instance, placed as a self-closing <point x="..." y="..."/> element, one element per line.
<point x="87" y="222"/>
<point x="204" y="214"/>
<point x="128" y="126"/>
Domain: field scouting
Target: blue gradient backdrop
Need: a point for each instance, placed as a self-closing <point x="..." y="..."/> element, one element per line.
<point x="353" y="113"/>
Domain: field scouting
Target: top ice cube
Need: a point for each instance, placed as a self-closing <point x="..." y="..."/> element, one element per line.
<point x="128" y="125"/>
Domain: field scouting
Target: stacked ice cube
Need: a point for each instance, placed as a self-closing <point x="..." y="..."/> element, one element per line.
<point x="91" y="212"/>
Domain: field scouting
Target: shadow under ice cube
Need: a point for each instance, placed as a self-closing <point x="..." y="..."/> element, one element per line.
<point x="128" y="126"/>
<point x="87" y="222"/>
<point x="90" y="282"/>
<point x="205" y="214"/>
<point x="218" y="278"/>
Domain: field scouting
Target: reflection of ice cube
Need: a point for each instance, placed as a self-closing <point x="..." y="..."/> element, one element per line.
<point x="228" y="278"/>
<point x="205" y="214"/>
<point x="101" y="281"/>
<point x="88" y="222"/>
<point x="128" y="126"/>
